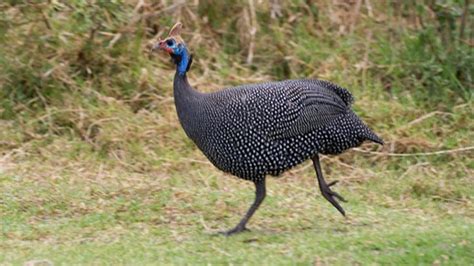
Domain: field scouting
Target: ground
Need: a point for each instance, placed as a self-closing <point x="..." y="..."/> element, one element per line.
<point x="86" y="211"/>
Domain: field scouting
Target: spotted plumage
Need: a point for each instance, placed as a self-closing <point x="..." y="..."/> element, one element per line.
<point x="256" y="130"/>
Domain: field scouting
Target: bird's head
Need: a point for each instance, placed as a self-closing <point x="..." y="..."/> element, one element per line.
<point x="176" y="48"/>
<point x="173" y="44"/>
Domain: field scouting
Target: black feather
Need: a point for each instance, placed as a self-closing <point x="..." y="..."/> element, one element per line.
<point x="267" y="128"/>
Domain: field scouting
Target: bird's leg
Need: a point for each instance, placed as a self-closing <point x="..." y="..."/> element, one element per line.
<point x="259" y="196"/>
<point x="328" y="194"/>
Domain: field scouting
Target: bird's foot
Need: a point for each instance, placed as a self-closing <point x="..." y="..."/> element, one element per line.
<point x="235" y="230"/>
<point x="331" y="196"/>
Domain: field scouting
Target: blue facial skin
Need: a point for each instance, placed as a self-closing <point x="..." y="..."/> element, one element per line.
<point x="181" y="55"/>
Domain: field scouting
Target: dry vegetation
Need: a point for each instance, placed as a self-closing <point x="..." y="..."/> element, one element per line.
<point x="94" y="167"/>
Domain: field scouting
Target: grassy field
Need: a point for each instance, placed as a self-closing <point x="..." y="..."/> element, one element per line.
<point x="95" y="168"/>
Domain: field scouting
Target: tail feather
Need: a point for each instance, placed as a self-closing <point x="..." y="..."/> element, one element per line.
<point x="373" y="137"/>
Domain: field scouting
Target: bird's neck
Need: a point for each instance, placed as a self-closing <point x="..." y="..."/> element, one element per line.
<point x="182" y="88"/>
<point x="189" y="104"/>
<point x="182" y="67"/>
<point x="183" y="61"/>
<point x="185" y="96"/>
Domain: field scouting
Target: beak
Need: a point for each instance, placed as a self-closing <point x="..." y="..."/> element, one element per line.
<point x="156" y="46"/>
<point x="160" y="45"/>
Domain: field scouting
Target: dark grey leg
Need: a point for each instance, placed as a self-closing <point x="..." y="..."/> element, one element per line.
<point x="328" y="194"/>
<point x="259" y="196"/>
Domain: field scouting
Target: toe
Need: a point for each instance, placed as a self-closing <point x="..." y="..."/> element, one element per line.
<point x="233" y="231"/>
<point x="339" y="197"/>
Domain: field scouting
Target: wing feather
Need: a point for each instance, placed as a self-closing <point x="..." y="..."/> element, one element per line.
<point x="286" y="108"/>
<point x="313" y="104"/>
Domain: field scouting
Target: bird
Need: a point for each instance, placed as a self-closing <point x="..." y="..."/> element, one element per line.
<point x="257" y="130"/>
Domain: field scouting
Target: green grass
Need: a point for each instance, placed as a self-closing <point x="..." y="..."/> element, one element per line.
<point x="144" y="245"/>
<point x="76" y="219"/>
<point x="84" y="211"/>
<point x="95" y="168"/>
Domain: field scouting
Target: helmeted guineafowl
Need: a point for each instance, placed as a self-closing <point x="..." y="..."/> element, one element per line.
<point x="264" y="129"/>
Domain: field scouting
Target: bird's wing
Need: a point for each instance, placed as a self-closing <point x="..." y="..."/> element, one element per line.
<point x="306" y="105"/>
<point x="282" y="109"/>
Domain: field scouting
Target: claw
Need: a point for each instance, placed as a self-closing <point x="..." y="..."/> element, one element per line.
<point x="233" y="231"/>
<point x="331" y="196"/>
<point x="335" y="194"/>
<point x="328" y="194"/>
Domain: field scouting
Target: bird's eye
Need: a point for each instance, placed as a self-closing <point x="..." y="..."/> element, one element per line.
<point x="169" y="42"/>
